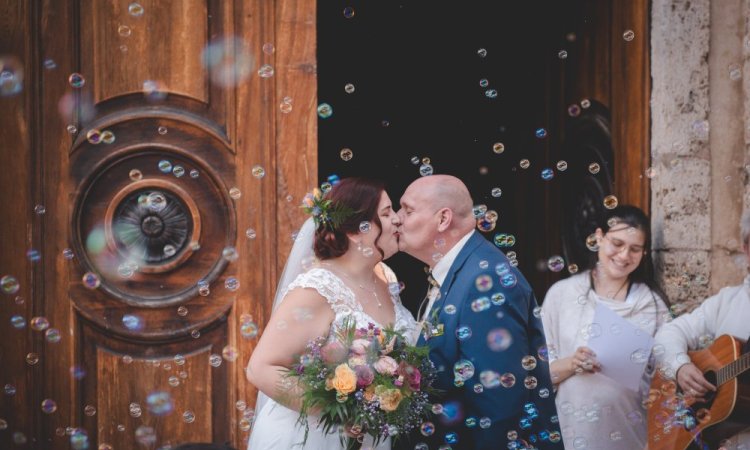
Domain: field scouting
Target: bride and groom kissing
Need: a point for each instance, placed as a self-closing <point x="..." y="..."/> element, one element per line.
<point x="479" y="319"/>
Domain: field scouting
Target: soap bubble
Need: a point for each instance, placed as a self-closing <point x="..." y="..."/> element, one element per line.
<point x="228" y="60"/>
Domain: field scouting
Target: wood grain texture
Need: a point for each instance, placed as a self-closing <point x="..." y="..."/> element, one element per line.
<point x="631" y="90"/>
<point x="163" y="45"/>
<point x="17" y="134"/>
<point x="128" y="375"/>
<point x="49" y="166"/>
<point x="284" y="144"/>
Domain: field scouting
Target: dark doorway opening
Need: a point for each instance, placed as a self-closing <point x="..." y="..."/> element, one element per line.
<point x="451" y="81"/>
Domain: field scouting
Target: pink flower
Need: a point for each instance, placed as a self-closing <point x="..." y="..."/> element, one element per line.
<point x="360" y="346"/>
<point x="333" y="352"/>
<point x="411" y="375"/>
<point x="365" y="376"/>
<point x="386" y="365"/>
<point x="357" y="360"/>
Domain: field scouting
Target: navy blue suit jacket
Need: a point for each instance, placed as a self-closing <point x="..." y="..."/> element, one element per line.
<point x="502" y="333"/>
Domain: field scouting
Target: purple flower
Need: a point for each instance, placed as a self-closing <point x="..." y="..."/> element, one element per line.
<point x="365" y="376"/>
<point x="333" y="352"/>
<point x="411" y="375"/>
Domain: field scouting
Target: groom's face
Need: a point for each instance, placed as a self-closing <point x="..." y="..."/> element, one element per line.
<point x="419" y="225"/>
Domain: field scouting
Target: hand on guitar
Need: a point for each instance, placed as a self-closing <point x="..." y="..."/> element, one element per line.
<point x="691" y="380"/>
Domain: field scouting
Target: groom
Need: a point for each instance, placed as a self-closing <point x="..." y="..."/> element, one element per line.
<point x="481" y="322"/>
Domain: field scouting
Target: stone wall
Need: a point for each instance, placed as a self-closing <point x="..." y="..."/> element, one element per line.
<point x="700" y="134"/>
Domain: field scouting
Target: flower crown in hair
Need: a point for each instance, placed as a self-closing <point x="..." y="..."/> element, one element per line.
<point x="324" y="212"/>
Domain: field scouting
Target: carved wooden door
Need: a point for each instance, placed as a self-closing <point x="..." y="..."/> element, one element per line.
<point x="159" y="150"/>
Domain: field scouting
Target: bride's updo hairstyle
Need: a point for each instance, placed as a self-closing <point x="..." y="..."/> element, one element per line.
<point x="361" y="196"/>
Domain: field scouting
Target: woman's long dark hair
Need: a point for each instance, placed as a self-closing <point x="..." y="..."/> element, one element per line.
<point x="632" y="216"/>
<point x="360" y="195"/>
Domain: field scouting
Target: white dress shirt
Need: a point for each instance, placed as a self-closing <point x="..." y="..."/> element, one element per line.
<point x="440" y="271"/>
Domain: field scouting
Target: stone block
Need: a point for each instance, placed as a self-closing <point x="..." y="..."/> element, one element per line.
<point x="680" y="206"/>
<point x="684" y="276"/>
<point x="680" y="38"/>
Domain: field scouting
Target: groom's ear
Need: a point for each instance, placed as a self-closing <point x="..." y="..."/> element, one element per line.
<point x="445" y="217"/>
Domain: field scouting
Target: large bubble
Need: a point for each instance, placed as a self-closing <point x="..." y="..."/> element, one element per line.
<point x="228" y="60"/>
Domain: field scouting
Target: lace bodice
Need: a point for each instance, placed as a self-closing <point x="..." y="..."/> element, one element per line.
<point x="344" y="303"/>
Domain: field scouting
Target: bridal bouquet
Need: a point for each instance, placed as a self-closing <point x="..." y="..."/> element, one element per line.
<point x="364" y="381"/>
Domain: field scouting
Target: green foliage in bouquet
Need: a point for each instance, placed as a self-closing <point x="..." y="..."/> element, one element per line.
<point x="369" y="381"/>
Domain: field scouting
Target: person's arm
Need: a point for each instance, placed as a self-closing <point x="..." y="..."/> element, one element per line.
<point x="304" y="315"/>
<point x="675" y="338"/>
<point x="562" y="367"/>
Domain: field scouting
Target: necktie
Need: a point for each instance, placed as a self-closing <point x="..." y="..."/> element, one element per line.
<point x="433" y="284"/>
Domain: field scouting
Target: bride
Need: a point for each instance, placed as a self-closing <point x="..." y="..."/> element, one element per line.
<point x="348" y="280"/>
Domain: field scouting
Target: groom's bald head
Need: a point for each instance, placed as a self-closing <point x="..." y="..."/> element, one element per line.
<point x="434" y="209"/>
<point x="446" y="191"/>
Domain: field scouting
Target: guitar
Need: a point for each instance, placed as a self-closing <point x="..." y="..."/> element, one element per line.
<point x="678" y="422"/>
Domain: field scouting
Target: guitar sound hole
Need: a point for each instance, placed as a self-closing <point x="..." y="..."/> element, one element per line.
<point x="710" y="395"/>
<point x="688" y="417"/>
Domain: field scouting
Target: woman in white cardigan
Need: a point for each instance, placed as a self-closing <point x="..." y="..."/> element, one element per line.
<point x="596" y="411"/>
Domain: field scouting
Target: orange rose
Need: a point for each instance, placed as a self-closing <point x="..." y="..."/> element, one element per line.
<point x="344" y="379"/>
<point x="390" y="399"/>
<point x="370" y="393"/>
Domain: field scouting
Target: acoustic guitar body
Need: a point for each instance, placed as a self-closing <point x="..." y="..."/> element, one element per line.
<point x="678" y="422"/>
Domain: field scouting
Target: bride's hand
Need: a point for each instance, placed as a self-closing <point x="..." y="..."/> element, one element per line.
<point x="354" y="432"/>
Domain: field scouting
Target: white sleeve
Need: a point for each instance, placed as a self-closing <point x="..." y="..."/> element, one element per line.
<point x="684" y="333"/>
<point x="549" y="321"/>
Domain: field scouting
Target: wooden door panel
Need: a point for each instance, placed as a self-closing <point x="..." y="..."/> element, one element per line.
<point x="124" y="55"/>
<point x="179" y="393"/>
<point x="175" y="56"/>
<point x="186" y="114"/>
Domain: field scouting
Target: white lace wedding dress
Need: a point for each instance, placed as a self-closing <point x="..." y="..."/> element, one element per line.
<point x="276" y="427"/>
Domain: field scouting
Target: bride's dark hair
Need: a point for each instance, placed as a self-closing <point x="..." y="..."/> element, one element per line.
<point x="362" y="196"/>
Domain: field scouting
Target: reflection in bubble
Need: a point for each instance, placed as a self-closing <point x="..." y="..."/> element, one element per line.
<point x="266" y="71"/>
<point x="507" y="380"/>
<point x="425" y="170"/>
<point x="132" y="322"/>
<point x="9" y="284"/>
<point x="145" y="435"/>
<point x="76" y="80"/>
<point x="228" y="60"/>
<point x="91" y="280"/>
<point x="49" y="406"/>
<point x="556" y="263"/>
<point x="11" y="76"/>
<point x="325" y="110"/>
<point x="610" y="202"/>
<point x="188" y="416"/>
<point x="463" y="333"/>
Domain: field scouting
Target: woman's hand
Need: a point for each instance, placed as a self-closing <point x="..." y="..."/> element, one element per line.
<point x="584" y="360"/>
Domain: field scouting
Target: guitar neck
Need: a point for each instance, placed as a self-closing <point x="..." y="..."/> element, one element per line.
<point x="733" y="369"/>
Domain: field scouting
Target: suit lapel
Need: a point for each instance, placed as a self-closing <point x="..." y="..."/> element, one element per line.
<point x="471" y="245"/>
